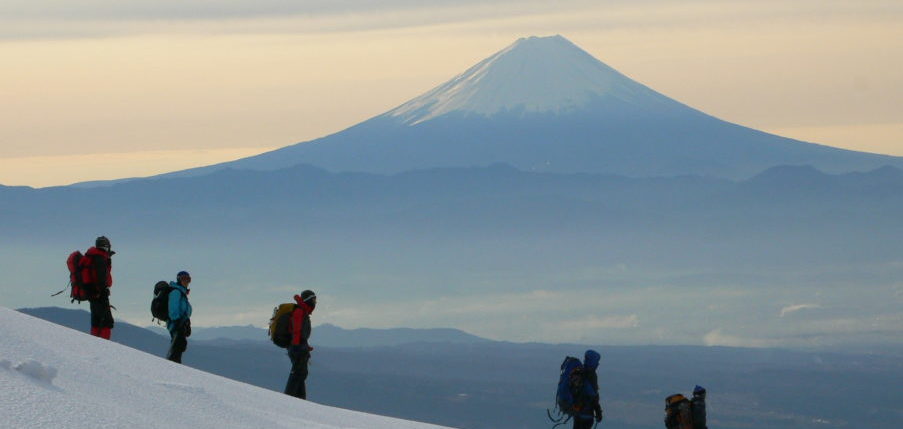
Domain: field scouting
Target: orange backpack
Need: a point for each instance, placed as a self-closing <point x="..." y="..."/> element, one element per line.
<point x="678" y="414"/>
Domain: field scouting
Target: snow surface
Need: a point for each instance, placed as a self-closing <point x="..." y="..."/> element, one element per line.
<point x="534" y="74"/>
<point x="55" y="377"/>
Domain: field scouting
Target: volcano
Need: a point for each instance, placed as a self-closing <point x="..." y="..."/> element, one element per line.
<point x="543" y="104"/>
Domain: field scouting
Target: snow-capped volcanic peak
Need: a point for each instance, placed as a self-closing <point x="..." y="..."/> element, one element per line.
<point x="535" y="74"/>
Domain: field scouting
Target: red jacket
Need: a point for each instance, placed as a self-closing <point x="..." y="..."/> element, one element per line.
<point x="301" y="322"/>
<point x="99" y="269"/>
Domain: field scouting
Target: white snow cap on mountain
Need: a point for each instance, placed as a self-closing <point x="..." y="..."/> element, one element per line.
<point x="55" y="377"/>
<point x="534" y="74"/>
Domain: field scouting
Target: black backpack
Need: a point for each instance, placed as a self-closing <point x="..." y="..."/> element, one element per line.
<point x="160" y="303"/>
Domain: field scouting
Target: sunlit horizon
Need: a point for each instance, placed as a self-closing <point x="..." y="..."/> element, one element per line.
<point x="179" y="88"/>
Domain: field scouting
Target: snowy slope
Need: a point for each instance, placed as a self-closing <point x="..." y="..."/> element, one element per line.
<point x="535" y="74"/>
<point x="54" y="377"/>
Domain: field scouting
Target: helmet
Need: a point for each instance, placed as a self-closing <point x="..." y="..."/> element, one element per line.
<point x="102" y="243"/>
<point x="183" y="274"/>
<point x="309" y="297"/>
<point x="591" y="359"/>
<point x="698" y="391"/>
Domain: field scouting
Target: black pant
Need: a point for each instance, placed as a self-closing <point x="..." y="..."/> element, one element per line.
<point x="300" y="357"/>
<point x="178" y="344"/>
<point x="101" y="315"/>
<point x="583" y="423"/>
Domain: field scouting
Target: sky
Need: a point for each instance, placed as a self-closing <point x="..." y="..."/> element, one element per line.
<point x="100" y="89"/>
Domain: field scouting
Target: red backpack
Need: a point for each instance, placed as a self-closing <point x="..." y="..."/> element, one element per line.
<point x="81" y="277"/>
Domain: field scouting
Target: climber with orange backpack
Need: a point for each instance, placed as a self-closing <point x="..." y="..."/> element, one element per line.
<point x="683" y="413"/>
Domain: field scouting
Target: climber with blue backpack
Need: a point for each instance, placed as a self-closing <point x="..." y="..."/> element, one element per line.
<point x="577" y="396"/>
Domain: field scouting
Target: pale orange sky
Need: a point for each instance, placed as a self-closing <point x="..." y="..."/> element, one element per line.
<point x="97" y="93"/>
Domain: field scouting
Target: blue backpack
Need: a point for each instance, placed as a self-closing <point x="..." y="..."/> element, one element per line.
<point x="574" y="395"/>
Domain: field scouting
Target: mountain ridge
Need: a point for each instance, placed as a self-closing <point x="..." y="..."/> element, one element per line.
<point x="544" y="104"/>
<point x="328" y="335"/>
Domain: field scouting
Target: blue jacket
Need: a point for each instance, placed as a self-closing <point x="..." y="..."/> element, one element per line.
<point x="591" y="387"/>
<point x="179" y="307"/>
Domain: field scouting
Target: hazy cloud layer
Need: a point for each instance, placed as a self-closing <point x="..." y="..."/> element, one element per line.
<point x="180" y="10"/>
<point x="793" y="308"/>
<point x="57" y="18"/>
<point x="724" y="316"/>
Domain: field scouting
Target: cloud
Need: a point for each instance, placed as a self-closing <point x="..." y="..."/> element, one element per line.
<point x="228" y="9"/>
<point x="92" y="18"/>
<point x="594" y="322"/>
<point x="718" y="338"/>
<point x="562" y="314"/>
<point x="222" y="9"/>
<point x="57" y="18"/>
<point x="794" y="308"/>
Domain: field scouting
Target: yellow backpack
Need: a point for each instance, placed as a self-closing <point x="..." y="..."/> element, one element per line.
<point x="280" y="324"/>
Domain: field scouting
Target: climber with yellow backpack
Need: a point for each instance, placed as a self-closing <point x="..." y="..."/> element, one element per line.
<point x="290" y="329"/>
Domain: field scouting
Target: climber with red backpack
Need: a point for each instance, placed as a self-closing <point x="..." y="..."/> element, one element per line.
<point x="90" y="279"/>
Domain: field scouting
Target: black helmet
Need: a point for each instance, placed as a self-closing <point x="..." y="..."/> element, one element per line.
<point x="309" y="297"/>
<point x="102" y="243"/>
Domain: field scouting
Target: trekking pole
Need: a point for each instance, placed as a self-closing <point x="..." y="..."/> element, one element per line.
<point x="64" y="289"/>
<point x="561" y="423"/>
